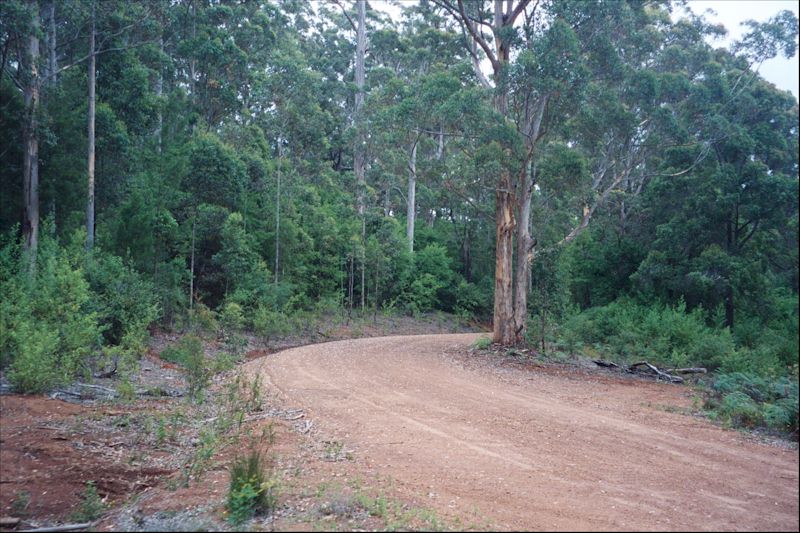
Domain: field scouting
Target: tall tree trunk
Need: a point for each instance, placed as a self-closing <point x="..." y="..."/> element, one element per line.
<point x="504" y="326"/>
<point x="522" y="281"/>
<point x="523" y="257"/>
<point x="191" y="264"/>
<point x="51" y="66"/>
<point x="732" y="248"/>
<point x="411" y="206"/>
<point x="729" y="309"/>
<point x="30" y="165"/>
<point x="160" y="94"/>
<point x="359" y="158"/>
<point x="466" y="253"/>
<point x="278" y="211"/>
<point x="90" y="159"/>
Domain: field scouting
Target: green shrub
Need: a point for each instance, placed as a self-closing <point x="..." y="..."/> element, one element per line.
<point x="171" y="281"/>
<point x="667" y="336"/>
<point x="223" y="362"/>
<point x="202" y="319"/>
<point x="34" y="366"/>
<point x="188" y="353"/>
<point x="251" y="491"/>
<point x="125" y="303"/>
<point x="91" y="506"/>
<point x="740" y="410"/>
<point x="232" y="321"/>
<point x="783" y="414"/>
<point x="420" y="297"/>
<point x="269" y="323"/>
<point x="746" y="399"/>
<point x="47" y="327"/>
<point x="482" y="343"/>
<point x="434" y="273"/>
<point x="470" y="301"/>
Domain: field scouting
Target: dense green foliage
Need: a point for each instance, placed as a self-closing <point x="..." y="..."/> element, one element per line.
<point x="664" y="211"/>
<point x="750" y="400"/>
<point x="251" y="490"/>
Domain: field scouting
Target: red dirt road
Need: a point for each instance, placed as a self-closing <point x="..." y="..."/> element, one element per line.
<point x="538" y="450"/>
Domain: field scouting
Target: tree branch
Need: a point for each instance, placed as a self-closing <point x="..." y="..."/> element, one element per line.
<point x="519" y="9"/>
<point x="749" y="235"/>
<point x="467" y="22"/>
<point x="344" y="12"/>
<point x="84" y="58"/>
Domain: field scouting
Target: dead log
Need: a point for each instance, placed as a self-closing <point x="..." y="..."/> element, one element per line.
<point x="658" y="373"/>
<point x="106" y="390"/>
<point x="55" y="529"/>
<point x="606" y="364"/>
<point x="692" y="370"/>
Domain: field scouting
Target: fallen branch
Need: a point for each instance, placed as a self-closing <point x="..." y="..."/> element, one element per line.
<point x="54" y="529"/>
<point x="659" y="373"/>
<point x="262" y="416"/>
<point x="606" y="364"/>
<point x="111" y="392"/>
<point x="159" y="393"/>
<point x="692" y="370"/>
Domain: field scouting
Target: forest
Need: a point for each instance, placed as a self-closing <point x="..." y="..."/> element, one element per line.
<point x="579" y="177"/>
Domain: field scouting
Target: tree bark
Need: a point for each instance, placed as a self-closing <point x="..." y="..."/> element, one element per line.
<point x="52" y="58"/>
<point x="159" y="94"/>
<point x="411" y="206"/>
<point x="191" y="264"/>
<point x="440" y="147"/>
<point x="91" y="137"/>
<point x="729" y="308"/>
<point x="504" y="325"/>
<point x="30" y="165"/>
<point x="466" y="253"/>
<point x="532" y="130"/>
<point x="278" y="211"/>
<point x="359" y="158"/>
<point x="523" y="257"/>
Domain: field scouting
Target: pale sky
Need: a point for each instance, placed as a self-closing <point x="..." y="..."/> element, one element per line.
<point x="730" y="13"/>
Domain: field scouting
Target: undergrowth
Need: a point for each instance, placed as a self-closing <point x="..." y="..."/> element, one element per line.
<point x="253" y="488"/>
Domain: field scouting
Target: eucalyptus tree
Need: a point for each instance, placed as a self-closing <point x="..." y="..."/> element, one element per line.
<point x="534" y="88"/>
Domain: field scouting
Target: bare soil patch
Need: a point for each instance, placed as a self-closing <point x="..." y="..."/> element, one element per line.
<point x="50" y="449"/>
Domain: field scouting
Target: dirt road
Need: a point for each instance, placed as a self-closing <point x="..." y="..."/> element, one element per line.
<point x="537" y="449"/>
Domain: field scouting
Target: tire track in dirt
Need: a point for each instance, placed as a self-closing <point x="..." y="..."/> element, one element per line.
<point x="532" y="450"/>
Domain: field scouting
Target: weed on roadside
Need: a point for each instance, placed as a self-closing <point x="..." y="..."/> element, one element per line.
<point x="483" y="343"/>
<point x="91" y="506"/>
<point x="20" y="503"/>
<point x="253" y="489"/>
